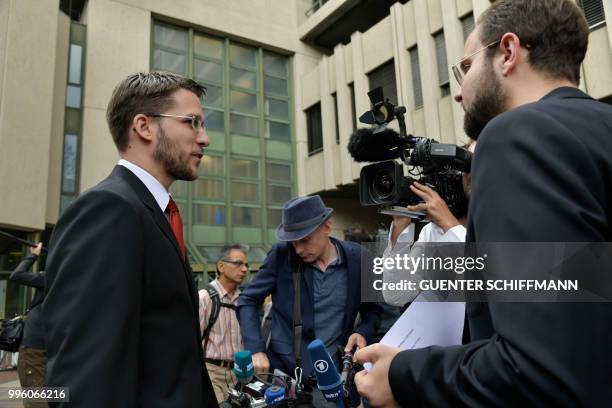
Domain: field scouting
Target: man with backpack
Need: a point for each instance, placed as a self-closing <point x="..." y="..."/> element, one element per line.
<point x="220" y="330"/>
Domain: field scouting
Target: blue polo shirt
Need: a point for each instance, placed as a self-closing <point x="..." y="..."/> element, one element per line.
<point x="330" y="289"/>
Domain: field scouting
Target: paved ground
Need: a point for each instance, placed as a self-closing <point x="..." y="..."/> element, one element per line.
<point x="6" y="376"/>
<point x="8" y="379"/>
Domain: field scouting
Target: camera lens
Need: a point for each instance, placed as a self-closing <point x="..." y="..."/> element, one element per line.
<point x="383" y="184"/>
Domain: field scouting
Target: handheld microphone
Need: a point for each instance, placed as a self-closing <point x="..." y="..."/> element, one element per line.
<point x="366" y="146"/>
<point x="274" y="394"/>
<point x="328" y="380"/>
<point x="243" y="366"/>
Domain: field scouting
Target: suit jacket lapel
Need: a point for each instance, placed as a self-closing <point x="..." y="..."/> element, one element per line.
<point x="160" y="219"/>
<point x="164" y="225"/>
<point x="149" y="201"/>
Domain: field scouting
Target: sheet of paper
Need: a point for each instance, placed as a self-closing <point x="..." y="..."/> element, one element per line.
<point x="426" y="324"/>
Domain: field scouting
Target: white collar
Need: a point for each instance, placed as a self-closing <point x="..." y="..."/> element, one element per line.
<point x="161" y="195"/>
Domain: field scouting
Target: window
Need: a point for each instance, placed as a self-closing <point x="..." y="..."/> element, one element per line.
<point x="274" y="217"/>
<point x="593" y="11"/>
<point x="442" y="63"/>
<point x="207" y="214"/>
<point x="70" y="163"/>
<point x="170" y="48"/>
<point x="178" y="190"/>
<point x="209" y="192"/>
<point x="212" y="165"/>
<point x="316" y="4"/>
<point x="278" y="191"/>
<point x="248" y="99"/>
<point x="353" y="112"/>
<point x="210" y="253"/>
<point x="73" y="96"/>
<point x="279" y="171"/>
<point x="209" y="69"/>
<point x="245" y="168"/>
<point x="417" y="87"/>
<point x="243" y="125"/>
<point x="245" y="180"/>
<point x="243" y="90"/>
<point x="467" y="25"/>
<point x="315" y="131"/>
<point x="245" y="191"/>
<point x="76" y="54"/>
<point x="206" y="189"/>
<point x="278" y="194"/>
<point x="73" y="116"/>
<point x="246" y="216"/>
<point x="335" y="97"/>
<point x="276" y="97"/>
<point x="384" y="76"/>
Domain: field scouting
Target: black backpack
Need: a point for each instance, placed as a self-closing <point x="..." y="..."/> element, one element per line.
<point x="216" y="306"/>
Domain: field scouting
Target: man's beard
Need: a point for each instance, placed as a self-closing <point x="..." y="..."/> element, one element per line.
<point x="167" y="154"/>
<point x="488" y="103"/>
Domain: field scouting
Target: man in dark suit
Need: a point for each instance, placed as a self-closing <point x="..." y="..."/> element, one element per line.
<point x="542" y="173"/>
<point x="121" y="311"/>
<point x="329" y="272"/>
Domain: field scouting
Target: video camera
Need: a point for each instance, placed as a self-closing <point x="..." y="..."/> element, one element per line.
<point x="438" y="165"/>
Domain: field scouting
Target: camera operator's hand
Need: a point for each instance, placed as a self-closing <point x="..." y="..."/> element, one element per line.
<point x="261" y="362"/>
<point x="37" y="249"/>
<point x="434" y="205"/>
<point x="374" y="385"/>
<point x="356" y="340"/>
<point x="399" y="224"/>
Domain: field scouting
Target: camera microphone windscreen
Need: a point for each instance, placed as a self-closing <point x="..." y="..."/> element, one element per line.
<point x="367" y="146"/>
<point x="243" y="366"/>
<point x="328" y="380"/>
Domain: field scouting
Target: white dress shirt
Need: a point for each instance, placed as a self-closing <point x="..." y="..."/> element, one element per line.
<point x="161" y="195"/>
<point x="405" y="243"/>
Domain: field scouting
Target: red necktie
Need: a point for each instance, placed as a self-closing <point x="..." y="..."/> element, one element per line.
<point x="176" y="223"/>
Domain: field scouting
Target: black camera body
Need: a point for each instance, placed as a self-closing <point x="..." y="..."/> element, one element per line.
<point x="438" y="165"/>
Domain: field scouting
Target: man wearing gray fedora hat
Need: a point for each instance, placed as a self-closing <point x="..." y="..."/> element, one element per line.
<point x="327" y="272"/>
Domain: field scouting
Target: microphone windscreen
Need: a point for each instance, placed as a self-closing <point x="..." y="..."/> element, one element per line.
<point x="328" y="379"/>
<point x="243" y="366"/>
<point x="274" y="394"/>
<point x="367" y="146"/>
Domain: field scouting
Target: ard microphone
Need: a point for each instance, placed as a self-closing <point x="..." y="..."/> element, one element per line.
<point x="243" y="366"/>
<point x="367" y="146"/>
<point x="328" y="379"/>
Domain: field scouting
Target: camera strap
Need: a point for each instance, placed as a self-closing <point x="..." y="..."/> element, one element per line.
<point x="296" y="268"/>
<point x="296" y="265"/>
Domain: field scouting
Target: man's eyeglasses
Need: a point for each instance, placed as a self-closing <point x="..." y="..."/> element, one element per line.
<point x="461" y="68"/>
<point x="236" y="263"/>
<point x="197" y="123"/>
